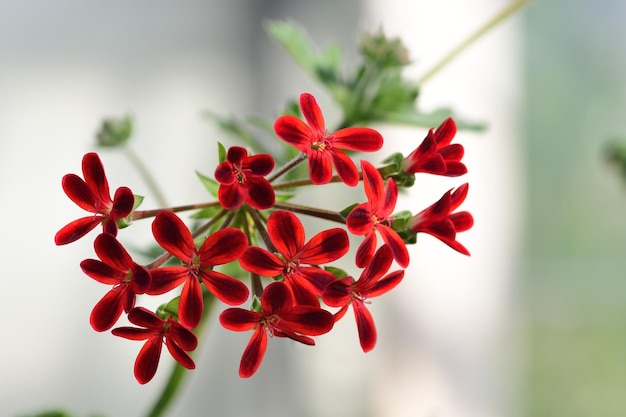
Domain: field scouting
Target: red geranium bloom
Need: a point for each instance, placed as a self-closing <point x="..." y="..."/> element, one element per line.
<point x="92" y="194"/>
<point x="439" y="221"/>
<point x="241" y="180"/>
<point x="436" y="155"/>
<point x="346" y="291"/>
<point x="375" y="215"/>
<point x="278" y="317"/>
<point x="323" y="149"/>
<point x="156" y="331"/>
<point x="219" y="248"/>
<point x="297" y="257"/>
<point x="116" y="268"/>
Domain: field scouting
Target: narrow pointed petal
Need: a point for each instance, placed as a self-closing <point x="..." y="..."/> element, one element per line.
<point x="166" y="278"/>
<point x="79" y="192"/>
<point x="111" y="252"/>
<point x="365" y="326"/>
<point x="390" y="197"/>
<point x="95" y="177"/>
<point x="108" y="310"/>
<point x="76" y="229"/>
<point x="458" y="196"/>
<point x="226" y="288"/>
<point x="372" y="182"/>
<point x="253" y="354"/>
<point x="346" y="169"/>
<point x="180" y="355"/>
<point x="445" y="132"/>
<point x="365" y="251"/>
<point x="294" y="131"/>
<point x="387" y="283"/>
<point x="132" y="333"/>
<point x="326" y="246"/>
<point x="147" y="360"/>
<point x="377" y="268"/>
<point x="358" y="139"/>
<point x="191" y="304"/>
<point x="320" y="166"/>
<point x="260" y="261"/>
<point x="173" y="236"/>
<point x="222" y="247"/>
<point x="260" y="193"/>
<point x="123" y="203"/>
<point x="396" y="244"/>
<point x="286" y="232"/>
<point x="239" y="319"/>
<point x="338" y="293"/>
<point x="302" y="293"/>
<point x="312" y="113"/>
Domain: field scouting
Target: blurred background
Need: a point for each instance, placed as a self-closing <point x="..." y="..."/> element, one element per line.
<point x="533" y="324"/>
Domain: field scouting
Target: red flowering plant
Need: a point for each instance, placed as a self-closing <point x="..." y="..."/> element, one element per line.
<point x="247" y="246"/>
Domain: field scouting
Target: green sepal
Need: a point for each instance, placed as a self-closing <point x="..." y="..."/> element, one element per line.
<point x="337" y="272"/>
<point x="400" y="220"/>
<point x="126" y="221"/>
<point x="221" y="152"/>
<point x="395" y="159"/>
<point x="344" y="213"/>
<point x="256" y="304"/>
<point x="284" y="197"/>
<point x="169" y="309"/>
<point x="114" y="132"/>
<point x="209" y="183"/>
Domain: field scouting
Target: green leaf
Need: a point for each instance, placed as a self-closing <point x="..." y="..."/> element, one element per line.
<point x="413" y="117"/>
<point x="221" y="152"/>
<point x="209" y="183"/>
<point x="347" y="210"/>
<point x="337" y="272"/>
<point x="169" y="309"/>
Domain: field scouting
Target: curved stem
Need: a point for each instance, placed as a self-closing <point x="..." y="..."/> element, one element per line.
<point x="288" y="167"/>
<point x="143" y="214"/>
<point x="490" y="24"/>
<point x="178" y="373"/>
<point x="312" y="211"/>
<point x="145" y="174"/>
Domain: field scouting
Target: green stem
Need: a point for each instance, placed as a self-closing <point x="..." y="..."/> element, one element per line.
<point x="145" y="175"/>
<point x="177" y="376"/>
<point x="312" y="211"/>
<point x="490" y="24"/>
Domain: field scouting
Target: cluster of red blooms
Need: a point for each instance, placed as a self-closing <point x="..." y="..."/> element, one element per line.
<point x="292" y="304"/>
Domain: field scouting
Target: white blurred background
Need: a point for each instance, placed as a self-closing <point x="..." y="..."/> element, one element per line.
<point x="462" y="337"/>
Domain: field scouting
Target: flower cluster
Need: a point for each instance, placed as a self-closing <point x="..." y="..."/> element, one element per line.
<point x="253" y="254"/>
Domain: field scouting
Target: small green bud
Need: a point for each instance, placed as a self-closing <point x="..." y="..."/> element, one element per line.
<point x="384" y="52"/>
<point x="114" y="132"/>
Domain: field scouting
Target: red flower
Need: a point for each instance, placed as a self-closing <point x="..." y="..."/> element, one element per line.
<point x="219" y="248"/>
<point x="241" y="180"/>
<point x="157" y="331"/>
<point x="436" y="155"/>
<point x="322" y="149"/>
<point x="439" y="221"/>
<point x="296" y="257"/>
<point x="375" y="215"/>
<point x="116" y="268"/>
<point x="346" y="291"/>
<point x="92" y="195"/>
<point x="278" y="317"/>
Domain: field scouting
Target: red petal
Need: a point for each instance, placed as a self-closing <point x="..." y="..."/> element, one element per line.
<point x="260" y="165"/>
<point x="166" y="279"/>
<point x="346" y="169"/>
<point x="358" y="139"/>
<point x="183" y="337"/>
<point x="236" y="154"/>
<point x="377" y="268"/>
<point x="76" y="229"/>
<point x="93" y="171"/>
<point x="396" y="244"/>
<point x="276" y="298"/>
<point x="365" y="326"/>
<point x="260" y="261"/>
<point x="455" y="169"/>
<point x="253" y="355"/>
<point x="302" y="292"/>
<point x="148" y="360"/>
<point x="365" y="251"/>
<point x="143" y="317"/>
<point x="391" y="196"/>
<point x="123" y="203"/>
<point x="111" y="252"/>
<point x="191" y="304"/>
<point x="239" y="319"/>
<point x="359" y="220"/>
<point x="458" y="196"/>
<point x="294" y="131"/>
<point x="222" y="247"/>
<point x="108" y="310"/>
<point x="326" y="246"/>
<point x="286" y="233"/>
<point x="172" y="234"/>
<point x="80" y="193"/>
<point x="100" y="271"/>
<point x="320" y="166"/>
<point x="260" y="193"/>
<point x="385" y="284"/>
<point x="226" y="288"/>
<point x="445" y="132"/>
<point x="140" y="280"/>
<point x="462" y="221"/>
<point x="312" y="113"/>
<point x="232" y="196"/>
<point x="132" y="333"/>
<point x="307" y="320"/>
<point x="372" y="183"/>
<point x="317" y="278"/>
<point x="180" y="355"/>
<point x="338" y="293"/>
<point x="224" y="173"/>
<point x="452" y="152"/>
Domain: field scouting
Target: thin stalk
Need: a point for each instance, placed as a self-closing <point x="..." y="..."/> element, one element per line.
<point x="260" y="227"/>
<point x="145" y="174"/>
<point x="288" y="167"/>
<point x="178" y="373"/>
<point x="490" y="24"/>
<point x="312" y="211"/>
<point x="301" y="183"/>
<point x="142" y="214"/>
